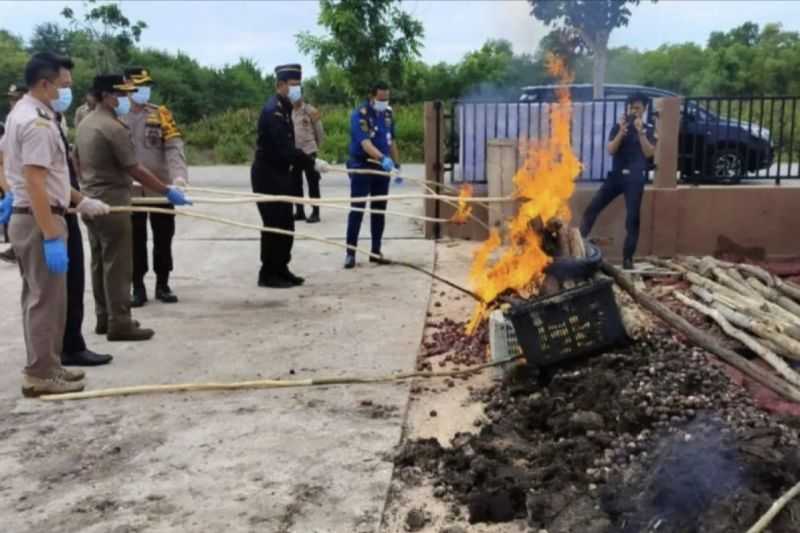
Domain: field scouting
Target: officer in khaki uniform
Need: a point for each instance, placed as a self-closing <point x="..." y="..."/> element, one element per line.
<point x="85" y="109"/>
<point x="159" y="147"/>
<point x="36" y="161"/>
<point x="107" y="159"/>
<point x="308" y="137"/>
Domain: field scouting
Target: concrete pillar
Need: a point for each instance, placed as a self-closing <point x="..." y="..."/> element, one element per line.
<point x="501" y="165"/>
<point x="666" y="208"/>
<point x="667" y="127"/>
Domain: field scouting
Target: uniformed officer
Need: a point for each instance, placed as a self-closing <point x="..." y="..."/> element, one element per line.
<point x="85" y="109"/>
<point x="309" y="136"/>
<point x="15" y="92"/>
<point x="631" y="143"/>
<point x="159" y="147"/>
<point x="107" y="159"/>
<point x="371" y="139"/>
<point x="36" y="162"/>
<point x="271" y="174"/>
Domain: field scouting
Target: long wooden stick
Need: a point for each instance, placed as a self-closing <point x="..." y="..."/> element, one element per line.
<point x="269" y="198"/>
<point x="270" y="383"/>
<point x="770" y="357"/>
<point x="774" y="509"/>
<point x="278" y="231"/>
<point x="702" y="339"/>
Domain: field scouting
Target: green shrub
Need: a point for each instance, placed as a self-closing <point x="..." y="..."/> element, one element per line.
<point x="230" y="137"/>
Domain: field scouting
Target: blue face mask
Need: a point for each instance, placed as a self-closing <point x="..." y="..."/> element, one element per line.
<point x="381" y="105"/>
<point x="295" y="93"/>
<point x="141" y="96"/>
<point x="123" y="106"/>
<point x="63" y="101"/>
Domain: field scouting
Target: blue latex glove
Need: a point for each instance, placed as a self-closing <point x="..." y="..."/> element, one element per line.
<point x="55" y="255"/>
<point x="387" y="164"/>
<point x="398" y="179"/>
<point x="5" y="208"/>
<point x="176" y="197"/>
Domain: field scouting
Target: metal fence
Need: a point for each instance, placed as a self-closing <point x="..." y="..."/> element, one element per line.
<point x="721" y="140"/>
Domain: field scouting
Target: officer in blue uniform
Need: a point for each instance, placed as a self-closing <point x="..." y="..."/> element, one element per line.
<point x="372" y="146"/>
<point x="271" y="174"/>
<point x="631" y="143"/>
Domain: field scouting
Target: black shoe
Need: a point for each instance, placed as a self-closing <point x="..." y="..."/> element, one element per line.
<point x="8" y="256"/>
<point x="296" y="280"/>
<point x="379" y="260"/>
<point x="139" y="297"/>
<point x="273" y="281"/>
<point x="165" y="294"/>
<point x="314" y="218"/>
<point x="350" y="261"/>
<point x="627" y="264"/>
<point x="299" y="215"/>
<point x="85" y="358"/>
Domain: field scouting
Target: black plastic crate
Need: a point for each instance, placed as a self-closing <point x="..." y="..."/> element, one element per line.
<point x="574" y="323"/>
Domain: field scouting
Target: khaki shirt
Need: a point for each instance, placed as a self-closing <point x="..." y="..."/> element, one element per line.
<point x="308" y="132"/>
<point x="32" y="138"/>
<point x="158" y="143"/>
<point x="81" y="114"/>
<point x="104" y="150"/>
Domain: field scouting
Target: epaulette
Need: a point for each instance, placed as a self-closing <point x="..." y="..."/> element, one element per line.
<point x="169" y="129"/>
<point x="43" y="114"/>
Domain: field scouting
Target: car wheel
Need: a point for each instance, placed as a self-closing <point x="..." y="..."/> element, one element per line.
<point x="727" y="165"/>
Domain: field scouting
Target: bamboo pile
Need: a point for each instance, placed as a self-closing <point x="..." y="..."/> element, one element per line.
<point x="750" y="305"/>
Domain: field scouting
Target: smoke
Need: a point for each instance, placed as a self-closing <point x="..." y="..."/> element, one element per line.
<point x="512" y="20"/>
<point x="691" y="471"/>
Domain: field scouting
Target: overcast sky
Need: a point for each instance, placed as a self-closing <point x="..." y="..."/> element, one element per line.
<point x="216" y="33"/>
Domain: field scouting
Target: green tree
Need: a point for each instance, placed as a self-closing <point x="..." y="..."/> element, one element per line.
<point x="591" y="20"/>
<point x="49" y="37"/>
<point x="369" y="39"/>
<point x="111" y="35"/>
<point x="12" y="63"/>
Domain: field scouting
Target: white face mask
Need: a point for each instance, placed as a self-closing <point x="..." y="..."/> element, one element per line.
<point x="141" y="96"/>
<point x="295" y="93"/>
<point x="381" y="105"/>
<point x="64" y="100"/>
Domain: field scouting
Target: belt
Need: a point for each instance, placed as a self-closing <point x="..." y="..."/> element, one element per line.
<point x="56" y="210"/>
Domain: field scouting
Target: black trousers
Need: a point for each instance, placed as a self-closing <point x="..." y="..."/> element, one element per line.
<point x="76" y="282"/>
<point x="276" y="250"/>
<point x="633" y="190"/>
<point x="163" y="227"/>
<point x="306" y="166"/>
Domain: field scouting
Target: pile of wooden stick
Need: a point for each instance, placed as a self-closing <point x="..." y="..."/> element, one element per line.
<point x="749" y="304"/>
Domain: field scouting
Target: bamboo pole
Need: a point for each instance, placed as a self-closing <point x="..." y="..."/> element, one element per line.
<point x="269" y="383"/>
<point x="767" y="355"/>
<point x="702" y="339"/>
<point x="278" y="231"/>
<point x="274" y="198"/>
<point x="791" y="346"/>
<point x="774" y="510"/>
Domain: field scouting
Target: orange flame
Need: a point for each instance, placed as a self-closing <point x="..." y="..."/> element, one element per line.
<point x="464" y="208"/>
<point x="543" y="187"/>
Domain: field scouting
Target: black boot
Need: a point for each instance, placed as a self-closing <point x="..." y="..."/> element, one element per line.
<point x="85" y="358"/>
<point x="295" y="280"/>
<point x="163" y="292"/>
<point x="139" y="296"/>
<point x="299" y="213"/>
<point x="314" y="218"/>
<point x="379" y="260"/>
<point x="627" y="263"/>
<point x="350" y="261"/>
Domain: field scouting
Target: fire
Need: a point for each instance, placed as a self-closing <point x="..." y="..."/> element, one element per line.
<point x="464" y="208"/>
<point x="543" y="187"/>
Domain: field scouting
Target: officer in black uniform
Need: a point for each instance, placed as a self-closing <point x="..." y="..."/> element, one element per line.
<point x="271" y="174"/>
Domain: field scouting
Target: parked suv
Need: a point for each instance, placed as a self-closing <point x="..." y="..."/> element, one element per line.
<point x="709" y="146"/>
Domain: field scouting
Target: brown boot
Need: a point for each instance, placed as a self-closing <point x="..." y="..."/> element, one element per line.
<point x="129" y="332"/>
<point x="34" y="387"/>
<point x="71" y="375"/>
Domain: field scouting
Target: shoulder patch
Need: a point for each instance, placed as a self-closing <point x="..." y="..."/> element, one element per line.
<point x="364" y="125"/>
<point x="43" y="114"/>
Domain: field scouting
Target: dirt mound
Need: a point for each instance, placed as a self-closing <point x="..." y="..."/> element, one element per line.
<point x="653" y="436"/>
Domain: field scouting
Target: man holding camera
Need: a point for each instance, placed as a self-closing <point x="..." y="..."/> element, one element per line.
<point x="631" y="144"/>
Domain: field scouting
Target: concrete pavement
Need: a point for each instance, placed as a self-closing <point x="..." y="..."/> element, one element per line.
<point x="298" y="460"/>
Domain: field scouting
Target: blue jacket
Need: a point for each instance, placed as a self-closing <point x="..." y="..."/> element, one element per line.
<point x="366" y="123"/>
